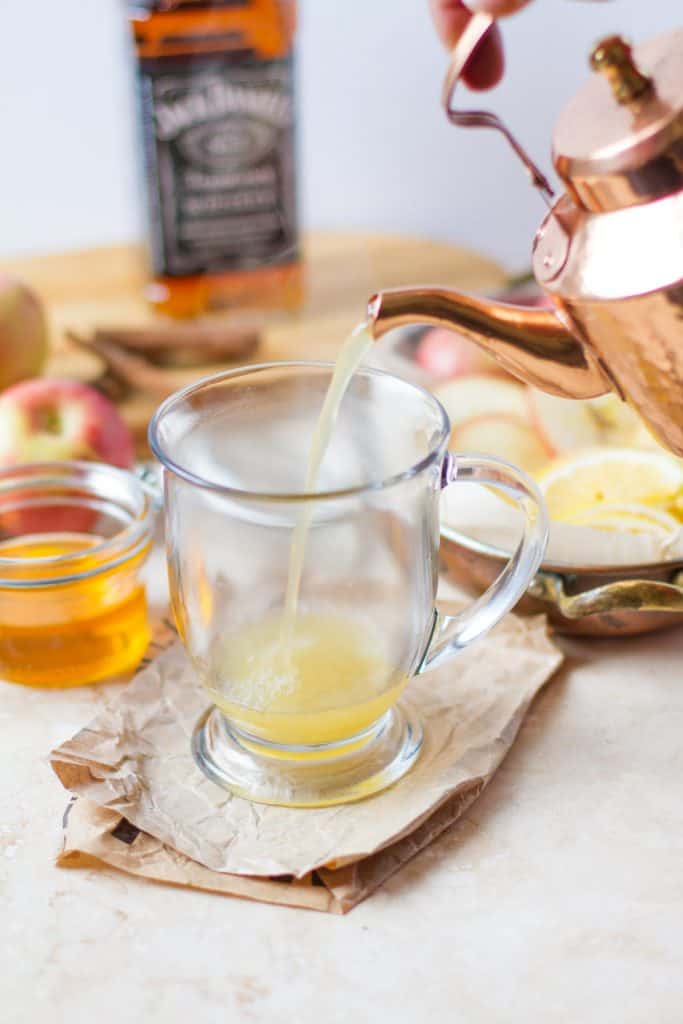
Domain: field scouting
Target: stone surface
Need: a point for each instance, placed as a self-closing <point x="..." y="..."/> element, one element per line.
<point x="559" y="898"/>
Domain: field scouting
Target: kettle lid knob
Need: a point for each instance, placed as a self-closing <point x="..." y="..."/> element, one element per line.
<point x="619" y="141"/>
<point x="613" y="57"/>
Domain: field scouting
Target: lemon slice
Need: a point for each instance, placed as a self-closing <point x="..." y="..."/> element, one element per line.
<point x="577" y="484"/>
<point x="632" y="518"/>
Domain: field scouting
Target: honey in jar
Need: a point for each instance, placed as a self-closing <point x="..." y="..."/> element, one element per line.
<point x="73" y="538"/>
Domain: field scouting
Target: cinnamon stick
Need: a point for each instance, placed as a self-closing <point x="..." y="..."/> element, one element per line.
<point x="131" y="371"/>
<point x="183" y="344"/>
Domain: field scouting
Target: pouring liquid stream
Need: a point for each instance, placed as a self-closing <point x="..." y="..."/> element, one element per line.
<point x="348" y="361"/>
<point x="309" y="676"/>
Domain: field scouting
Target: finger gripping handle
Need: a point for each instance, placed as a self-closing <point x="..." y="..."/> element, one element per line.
<point x="477" y="28"/>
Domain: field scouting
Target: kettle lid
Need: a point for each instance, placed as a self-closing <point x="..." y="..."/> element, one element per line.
<point x="619" y="142"/>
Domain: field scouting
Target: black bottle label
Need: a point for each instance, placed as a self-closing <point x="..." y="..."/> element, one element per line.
<point x="220" y="163"/>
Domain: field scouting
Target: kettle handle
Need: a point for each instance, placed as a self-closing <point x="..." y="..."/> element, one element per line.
<point x="477" y="28"/>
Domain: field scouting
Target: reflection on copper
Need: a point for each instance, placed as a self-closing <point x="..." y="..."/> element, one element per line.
<point x="609" y="253"/>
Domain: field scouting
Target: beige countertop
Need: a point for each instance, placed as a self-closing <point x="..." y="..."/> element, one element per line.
<point x="558" y="898"/>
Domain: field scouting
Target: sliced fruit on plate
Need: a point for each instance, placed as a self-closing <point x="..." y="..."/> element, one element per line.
<point x="573" y="485"/>
<point x="617" y="420"/>
<point x="478" y="395"/>
<point x="567" y="425"/>
<point x="642" y="437"/>
<point x="508" y="437"/>
<point x="563" y="423"/>
<point x="632" y="518"/>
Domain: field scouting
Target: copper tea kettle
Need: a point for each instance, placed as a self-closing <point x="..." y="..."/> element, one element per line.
<point x="609" y="252"/>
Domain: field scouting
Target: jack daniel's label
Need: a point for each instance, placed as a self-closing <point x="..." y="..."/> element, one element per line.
<point x="219" y="148"/>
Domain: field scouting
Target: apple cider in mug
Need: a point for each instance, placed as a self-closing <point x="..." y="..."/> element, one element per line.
<point x="331" y="680"/>
<point x="302" y="678"/>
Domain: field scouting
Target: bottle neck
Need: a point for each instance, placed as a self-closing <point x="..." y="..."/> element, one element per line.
<point x="170" y="28"/>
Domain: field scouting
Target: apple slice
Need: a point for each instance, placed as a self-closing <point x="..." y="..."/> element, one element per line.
<point x="478" y="395"/>
<point x="563" y="424"/>
<point x="619" y="423"/>
<point x="568" y="425"/>
<point x="509" y="437"/>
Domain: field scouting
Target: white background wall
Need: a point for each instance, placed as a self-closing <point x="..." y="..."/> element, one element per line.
<point x="376" y="151"/>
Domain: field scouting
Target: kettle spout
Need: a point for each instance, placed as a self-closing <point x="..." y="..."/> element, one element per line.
<point x="532" y="344"/>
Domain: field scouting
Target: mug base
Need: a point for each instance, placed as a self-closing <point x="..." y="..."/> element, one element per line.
<point x="340" y="773"/>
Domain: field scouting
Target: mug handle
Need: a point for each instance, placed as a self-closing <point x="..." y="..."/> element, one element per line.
<point x="450" y="633"/>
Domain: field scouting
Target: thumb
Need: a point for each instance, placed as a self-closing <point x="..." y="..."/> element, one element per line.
<point x="485" y="69"/>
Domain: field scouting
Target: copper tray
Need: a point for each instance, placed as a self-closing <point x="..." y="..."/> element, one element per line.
<point x="587" y="600"/>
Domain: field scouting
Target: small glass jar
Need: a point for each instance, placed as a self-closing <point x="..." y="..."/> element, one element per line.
<point x="73" y="538"/>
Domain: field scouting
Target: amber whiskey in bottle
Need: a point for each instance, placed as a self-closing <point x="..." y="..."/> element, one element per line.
<point x="217" y="117"/>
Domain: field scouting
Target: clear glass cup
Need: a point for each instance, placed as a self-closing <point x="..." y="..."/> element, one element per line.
<point x="234" y="449"/>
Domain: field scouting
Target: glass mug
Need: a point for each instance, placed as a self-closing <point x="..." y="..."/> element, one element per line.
<point x="305" y="711"/>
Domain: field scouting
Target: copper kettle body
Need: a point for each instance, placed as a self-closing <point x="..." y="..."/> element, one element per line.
<point x="609" y="252"/>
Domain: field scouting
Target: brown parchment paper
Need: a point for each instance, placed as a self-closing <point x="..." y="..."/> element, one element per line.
<point x="133" y="762"/>
<point x="94" y="836"/>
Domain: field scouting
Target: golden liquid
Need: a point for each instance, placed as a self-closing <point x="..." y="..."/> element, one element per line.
<point x="72" y="633"/>
<point x="333" y="684"/>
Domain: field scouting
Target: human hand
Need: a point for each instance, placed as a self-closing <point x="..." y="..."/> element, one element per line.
<point x="485" y="69"/>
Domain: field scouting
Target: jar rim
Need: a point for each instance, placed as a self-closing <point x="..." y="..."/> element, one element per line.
<point x="99" y="481"/>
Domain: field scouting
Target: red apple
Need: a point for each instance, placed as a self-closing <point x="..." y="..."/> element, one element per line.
<point x="444" y="355"/>
<point x="44" y="419"/>
<point x="23" y="332"/>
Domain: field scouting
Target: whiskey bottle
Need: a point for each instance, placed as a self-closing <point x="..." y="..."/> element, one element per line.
<point x="217" y="117"/>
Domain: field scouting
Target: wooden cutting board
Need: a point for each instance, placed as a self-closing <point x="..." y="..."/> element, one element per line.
<point x="103" y="288"/>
